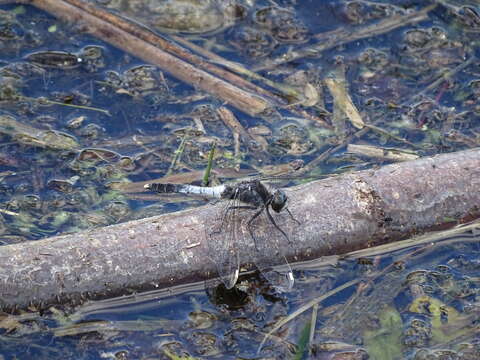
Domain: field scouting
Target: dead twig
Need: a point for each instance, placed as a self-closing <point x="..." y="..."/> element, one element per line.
<point x="286" y="90"/>
<point x="237" y="129"/>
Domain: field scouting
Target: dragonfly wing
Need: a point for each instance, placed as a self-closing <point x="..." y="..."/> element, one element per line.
<point x="272" y="245"/>
<point x="222" y="240"/>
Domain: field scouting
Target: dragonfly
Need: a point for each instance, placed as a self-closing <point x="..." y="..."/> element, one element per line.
<point x="250" y="195"/>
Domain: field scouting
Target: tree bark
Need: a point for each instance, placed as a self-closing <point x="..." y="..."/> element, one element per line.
<point x="336" y="215"/>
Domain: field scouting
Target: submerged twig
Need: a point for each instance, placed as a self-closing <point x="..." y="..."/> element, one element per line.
<point x="235" y="126"/>
<point x="340" y="37"/>
<point x="178" y="153"/>
<point x="235" y="67"/>
<point x="395" y="137"/>
<point x="83" y="107"/>
<point x="327" y="153"/>
<point x="286" y="90"/>
<point x="158" y="40"/>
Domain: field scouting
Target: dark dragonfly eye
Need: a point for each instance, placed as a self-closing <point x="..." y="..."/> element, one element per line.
<point x="279" y="200"/>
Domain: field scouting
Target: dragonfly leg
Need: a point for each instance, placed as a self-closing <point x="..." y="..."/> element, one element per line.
<point x="278" y="227"/>
<point x="293" y="218"/>
<point x="249" y="225"/>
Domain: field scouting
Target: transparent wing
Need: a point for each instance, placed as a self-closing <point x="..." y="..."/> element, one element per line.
<point x="272" y="243"/>
<point x="222" y="242"/>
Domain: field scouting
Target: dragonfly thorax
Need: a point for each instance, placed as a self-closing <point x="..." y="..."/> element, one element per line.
<point x="266" y="195"/>
<point x="255" y="193"/>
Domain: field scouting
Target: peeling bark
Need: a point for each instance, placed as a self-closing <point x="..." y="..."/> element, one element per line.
<point x="336" y="215"/>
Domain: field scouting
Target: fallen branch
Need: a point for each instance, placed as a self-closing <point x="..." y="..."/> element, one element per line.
<point x="337" y="215"/>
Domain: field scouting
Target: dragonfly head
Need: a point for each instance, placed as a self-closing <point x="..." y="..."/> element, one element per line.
<point x="279" y="200"/>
